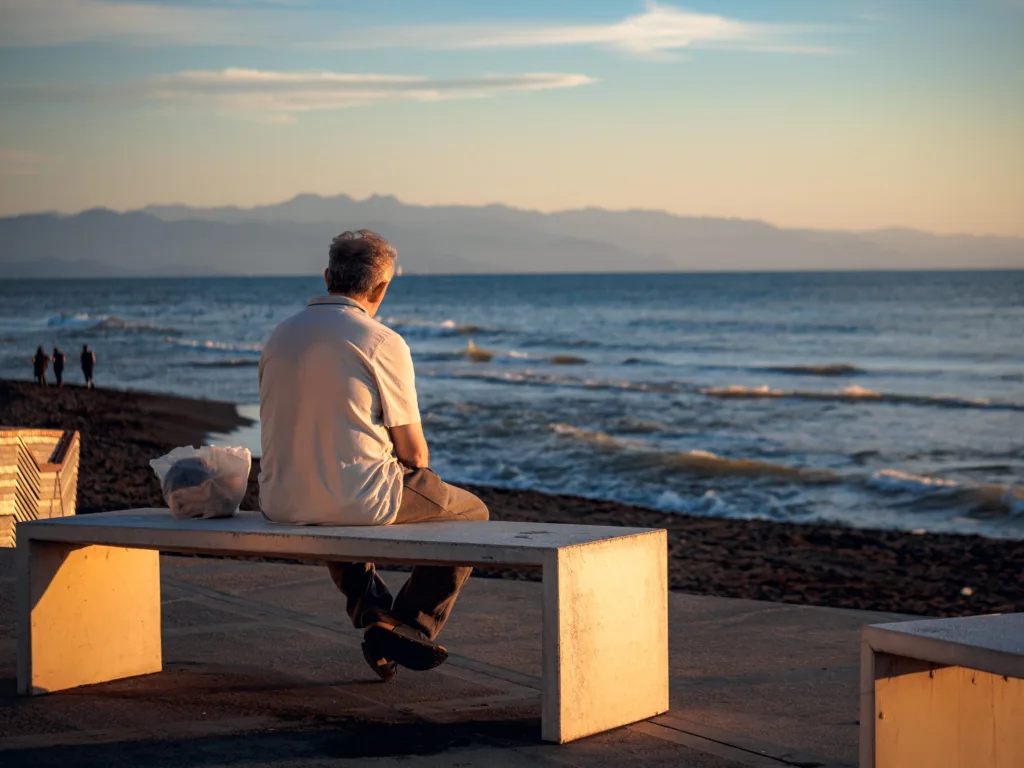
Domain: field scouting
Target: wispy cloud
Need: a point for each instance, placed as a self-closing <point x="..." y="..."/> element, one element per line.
<point x="21" y="162"/>
<point x="659" y="31"/>
<point x="276" y="96"/>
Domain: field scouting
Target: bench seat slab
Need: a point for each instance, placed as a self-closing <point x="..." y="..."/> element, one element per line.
<point x="605" y="637"/>
<point x="87" y="614"/>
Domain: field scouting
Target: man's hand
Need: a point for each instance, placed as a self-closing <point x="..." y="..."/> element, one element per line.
<point x="411" y="445"/>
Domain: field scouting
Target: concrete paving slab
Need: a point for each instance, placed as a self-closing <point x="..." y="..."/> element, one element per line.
<point x="263" y="669"/>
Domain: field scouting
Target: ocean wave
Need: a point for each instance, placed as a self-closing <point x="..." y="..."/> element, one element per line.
<point x="437" y="357"/>
<point x="536" y="379"/>
<point x="87" y="322"/>
<point x="707" y="464"/>
<point x="854" y="394"/>
<point x="641" y="361"/>
<point x="561" y="342"/>
<point x="214" y="346"/>
<point x="696" y="462"/>
<point x="238" y="362"/>
<point x="985" y="498"/>
<point x="76" y="321"/>
<point x="824" y="369"/>
<point x="922" y="491"/>
<point x="896" y="481"/>
<point x="595" y="437"/>
<point x="631" y="425"/>
<point x="477" y="354"/>
<point x="426" y="328"/>
<point x="708" y="504"/>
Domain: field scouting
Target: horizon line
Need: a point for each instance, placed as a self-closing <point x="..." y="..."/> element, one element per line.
<point x="314" y="276"/>
<point x="481" y="206"/>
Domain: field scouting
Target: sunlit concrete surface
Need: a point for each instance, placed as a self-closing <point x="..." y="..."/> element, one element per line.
<point x="261" y="668"/>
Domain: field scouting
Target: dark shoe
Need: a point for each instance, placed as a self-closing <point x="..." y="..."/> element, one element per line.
<point x="386" y="670"/>
<point x="406" y="651"/>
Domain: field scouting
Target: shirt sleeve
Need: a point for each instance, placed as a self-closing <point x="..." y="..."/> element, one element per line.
<point x="397" y="382"/>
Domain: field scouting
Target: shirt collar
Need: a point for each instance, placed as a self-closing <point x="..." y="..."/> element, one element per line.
<point x="344" y="301"/>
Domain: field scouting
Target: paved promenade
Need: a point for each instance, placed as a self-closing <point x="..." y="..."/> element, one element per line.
<point x="262" y="669"/>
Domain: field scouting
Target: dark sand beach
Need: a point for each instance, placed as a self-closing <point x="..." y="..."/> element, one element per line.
<point x="834" y="566"/>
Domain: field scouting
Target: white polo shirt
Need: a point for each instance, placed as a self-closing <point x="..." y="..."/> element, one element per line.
<point x="332" y="380"/>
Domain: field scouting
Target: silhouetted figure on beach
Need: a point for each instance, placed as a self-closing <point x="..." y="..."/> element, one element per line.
<point x="88" y="362"/>
<point x="58" y="366"/>
<point x="39" y="365"/>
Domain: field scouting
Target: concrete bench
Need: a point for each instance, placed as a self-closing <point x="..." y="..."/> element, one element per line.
<point x="943" y="693"/>
<point x="89" y="598"/>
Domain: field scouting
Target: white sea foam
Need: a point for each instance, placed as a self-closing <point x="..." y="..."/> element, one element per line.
<point x="539" y="379"/>
<point x="214" y="346"/>
<point x="709" y="504"/>
<point x="416" y="328"/>
<point x="896" y="481"/>
<point x="594" y="436"/>
<point x="986" y="498"/>
<point x="84" y="321"/>
<point x="854" y="393"/>
<point x="80" y="320"/>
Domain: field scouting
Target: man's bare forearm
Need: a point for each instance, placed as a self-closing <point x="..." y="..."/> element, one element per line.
<point x="411" y="446"/>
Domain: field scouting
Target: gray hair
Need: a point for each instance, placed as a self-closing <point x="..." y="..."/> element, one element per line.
<point x="359" y="262"/>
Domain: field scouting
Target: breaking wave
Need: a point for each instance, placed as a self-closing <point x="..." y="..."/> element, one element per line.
<point x="84" y="322"/>
<point x="854" y="394"/>
<point x="697" y="462"/>
<point x="982" y="499"/>
<point x="239" y="362"/>
<point x="986" y="498"/>
<point x="536" y="379"/>
<point x="429" y="329"/>
<point x="214" y="346"/>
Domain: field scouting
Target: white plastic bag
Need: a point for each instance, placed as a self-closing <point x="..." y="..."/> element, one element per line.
<point x="204" y="482"/>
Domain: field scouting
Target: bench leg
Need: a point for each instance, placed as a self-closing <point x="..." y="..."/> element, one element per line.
<point x="605" y="636"/>
<point x="867" y="705"/>
<point x="86" y="614"/>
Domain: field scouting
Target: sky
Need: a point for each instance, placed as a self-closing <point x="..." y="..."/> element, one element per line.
<point x="825" y="114"/>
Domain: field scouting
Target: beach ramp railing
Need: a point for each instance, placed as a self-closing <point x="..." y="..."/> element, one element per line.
<point x="38" y="477"/>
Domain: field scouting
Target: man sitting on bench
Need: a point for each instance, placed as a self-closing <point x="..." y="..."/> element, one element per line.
<point x="343" y="445"/>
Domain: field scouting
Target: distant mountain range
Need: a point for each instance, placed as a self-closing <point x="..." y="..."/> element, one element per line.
<point x="291" y="238"/>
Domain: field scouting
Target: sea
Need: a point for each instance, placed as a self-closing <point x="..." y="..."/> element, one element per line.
<point x="880" y="400"/>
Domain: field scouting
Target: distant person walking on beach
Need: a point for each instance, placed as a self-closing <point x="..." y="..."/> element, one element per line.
<point x="58" y="366"/>
<point x="88" y="362"/>
<point x="39" y="365"/>
<point x="343" y="445"/>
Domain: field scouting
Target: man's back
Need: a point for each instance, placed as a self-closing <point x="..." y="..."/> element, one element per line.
<point x="332" y="381"/>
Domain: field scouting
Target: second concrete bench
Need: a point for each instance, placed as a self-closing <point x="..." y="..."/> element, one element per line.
<point x="943" y="693"/>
